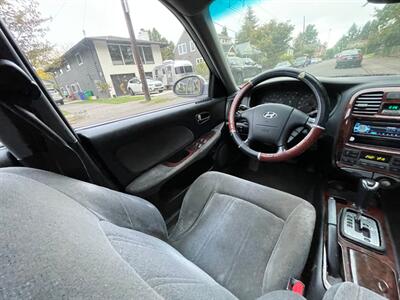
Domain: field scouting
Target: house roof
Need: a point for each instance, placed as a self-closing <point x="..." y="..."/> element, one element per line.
<point x="112" y="38"/>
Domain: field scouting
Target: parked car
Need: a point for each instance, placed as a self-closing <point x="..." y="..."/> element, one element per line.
<point x="54" y="93"/>
<point x="301" y="62"/>
<point x="349" y="58"/>
<point x="135" y="86"/>
<point x="315" y="60"/>
<point x="283" y="64"/>
<point x="171" y="71"/>
<point x="243" y="68"/>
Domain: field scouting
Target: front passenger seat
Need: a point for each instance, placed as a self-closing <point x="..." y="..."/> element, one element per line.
<point x="62" y="237"/>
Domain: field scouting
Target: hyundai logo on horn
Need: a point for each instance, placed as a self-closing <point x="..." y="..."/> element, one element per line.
<point x="270" y="115"/>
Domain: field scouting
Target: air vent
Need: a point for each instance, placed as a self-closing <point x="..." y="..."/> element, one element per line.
<point x="368" y="103"/>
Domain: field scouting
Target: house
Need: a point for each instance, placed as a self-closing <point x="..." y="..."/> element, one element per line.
<point x="186" y="50"/>
<point x="103" y="65"/>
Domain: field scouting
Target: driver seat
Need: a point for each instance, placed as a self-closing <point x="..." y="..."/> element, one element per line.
<point x="64" y="238"/>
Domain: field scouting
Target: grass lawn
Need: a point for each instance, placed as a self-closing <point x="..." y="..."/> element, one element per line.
<point x="117" y="100"/>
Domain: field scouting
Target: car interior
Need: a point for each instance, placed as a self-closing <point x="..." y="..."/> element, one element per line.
<point x="284" y="187"/>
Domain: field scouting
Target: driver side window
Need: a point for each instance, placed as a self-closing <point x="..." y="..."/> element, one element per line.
<point x="93" y="75"/>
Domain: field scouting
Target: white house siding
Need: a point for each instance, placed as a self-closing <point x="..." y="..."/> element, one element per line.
<point x="110" y="69"/>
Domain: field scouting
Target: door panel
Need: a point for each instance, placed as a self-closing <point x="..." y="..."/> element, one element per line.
<point x="153" y="147"/>
<point x="131" y="147"/>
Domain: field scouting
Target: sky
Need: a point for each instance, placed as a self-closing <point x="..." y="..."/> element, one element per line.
<point x="332" y="17"/>
<point x="105" y="17"/>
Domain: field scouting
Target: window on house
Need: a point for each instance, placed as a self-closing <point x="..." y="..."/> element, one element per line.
<point x="79" y="59"/>
<point x="182" y="49"/>
<point x="116" y="55"/>
<point x="192" y="46"/>
<point x="67" y="67"/>
<point x="146" y="54"/>
<point x="127" y="55"/>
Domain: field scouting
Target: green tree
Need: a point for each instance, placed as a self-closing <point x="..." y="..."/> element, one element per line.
<point x="378" y="35"/>
<point x="365" y="31"/>
<point x="27" y="26"/>
<point x="307" y="42"/>
<point x="202" y="69"/>
<point x="248" y="28"/>
<point x="389" y="24"/>
<point x="272" y="39"/>
<point x="354" y="33"/>
<point x="167" y="48"/>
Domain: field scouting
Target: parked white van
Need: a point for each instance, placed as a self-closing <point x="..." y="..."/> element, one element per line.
<point x="171" y="71"/>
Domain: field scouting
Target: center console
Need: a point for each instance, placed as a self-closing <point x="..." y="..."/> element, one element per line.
<point x="368" y="146"/>
<point x="369" y="138"/>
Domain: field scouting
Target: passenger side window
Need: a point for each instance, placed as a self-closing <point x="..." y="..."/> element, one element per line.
<point x="89" y="68"/>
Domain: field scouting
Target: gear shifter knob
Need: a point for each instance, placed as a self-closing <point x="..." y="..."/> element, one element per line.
<point x="366" y="189"/>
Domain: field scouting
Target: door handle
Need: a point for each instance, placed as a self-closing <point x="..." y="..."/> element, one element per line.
<point x="203" y="117"/>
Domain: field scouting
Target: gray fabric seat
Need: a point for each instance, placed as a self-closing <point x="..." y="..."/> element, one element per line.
<point x="63" y="238"/>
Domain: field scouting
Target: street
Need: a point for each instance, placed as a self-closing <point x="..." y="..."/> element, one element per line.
<point x="370" y="66"/>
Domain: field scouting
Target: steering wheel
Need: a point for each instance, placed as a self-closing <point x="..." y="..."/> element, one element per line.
<point x="271" y="123"/>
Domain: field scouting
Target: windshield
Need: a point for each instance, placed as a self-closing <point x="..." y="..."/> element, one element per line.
<point x="332" y="38"/>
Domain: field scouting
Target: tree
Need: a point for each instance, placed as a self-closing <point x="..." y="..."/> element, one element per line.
<point x="249" y="26"/>
<point x="202" y="69"/>
<point x="365" y="31"/>
<point x="378" y="35"/>
<point x="28" y="29"/>
<point x="272" y="39"/>
<point x="388" y="19"/>
<point x="307" y="42"/>
<point x="353" y="34"/>
<point x="167" y="49"/>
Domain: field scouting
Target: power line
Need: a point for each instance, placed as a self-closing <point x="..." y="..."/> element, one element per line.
<point x="84" y="18"/>
<point x="59" y="9"/>
<point x="216" y="23"/>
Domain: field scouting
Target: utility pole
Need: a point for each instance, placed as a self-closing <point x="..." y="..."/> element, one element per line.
<point x="135" y="50"/>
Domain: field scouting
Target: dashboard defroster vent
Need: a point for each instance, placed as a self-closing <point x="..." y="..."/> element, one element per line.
<point x="368" y="103"/>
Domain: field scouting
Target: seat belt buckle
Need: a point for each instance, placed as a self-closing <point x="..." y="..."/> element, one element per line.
<point x="296" y="286"/>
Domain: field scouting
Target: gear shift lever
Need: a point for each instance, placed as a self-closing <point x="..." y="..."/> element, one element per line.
<point x="360" y="227"/>
<point x="366" y="189"/>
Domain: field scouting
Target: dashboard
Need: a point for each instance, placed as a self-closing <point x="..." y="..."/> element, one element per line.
<point x="291" y="93"/>
<point x="363" y="128"/>
<point x="369" y="136"/>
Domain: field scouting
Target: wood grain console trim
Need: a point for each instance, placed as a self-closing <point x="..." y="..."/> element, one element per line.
<point x="368" y="268"/>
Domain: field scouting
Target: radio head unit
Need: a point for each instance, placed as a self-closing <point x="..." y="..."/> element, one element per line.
<point x="376" y="130"/>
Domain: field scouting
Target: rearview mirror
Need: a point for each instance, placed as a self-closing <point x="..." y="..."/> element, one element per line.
<point x="190" y="86"/>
